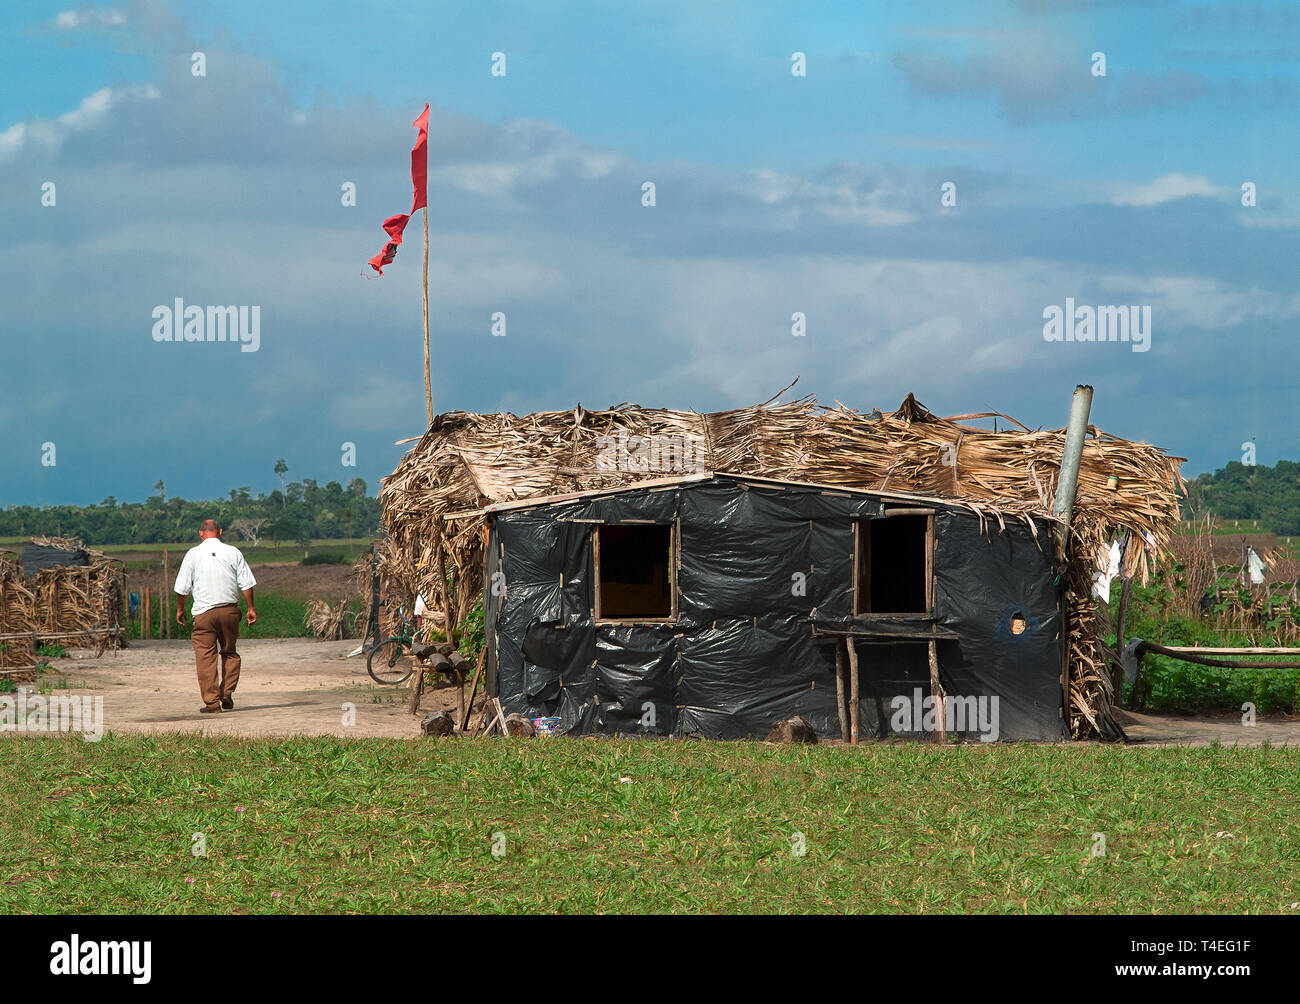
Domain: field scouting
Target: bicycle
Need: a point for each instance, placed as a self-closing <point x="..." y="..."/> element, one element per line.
<point x="396" y="659"/>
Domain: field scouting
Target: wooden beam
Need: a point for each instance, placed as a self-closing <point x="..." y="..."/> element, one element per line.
<point x="1232" y="651"/>
<point x="595" y="573"/>
<point x="929" y="568"/>
<point x="43" y="635"/>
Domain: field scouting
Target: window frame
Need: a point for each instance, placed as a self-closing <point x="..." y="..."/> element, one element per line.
<point x="858" y="545"/>
<point x="674" y="571"/>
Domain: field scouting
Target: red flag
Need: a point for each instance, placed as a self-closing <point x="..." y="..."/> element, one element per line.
<point x="420" y="162"/>
<point x="394" y="226"/>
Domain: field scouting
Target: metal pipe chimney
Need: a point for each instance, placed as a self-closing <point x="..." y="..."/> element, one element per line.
<point x="1075" y="431"/>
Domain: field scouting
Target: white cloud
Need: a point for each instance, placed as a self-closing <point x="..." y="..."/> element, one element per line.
<point x="1164" y="189"/>
<point x="845" y="198"/>
<point x="11" y="140"/>
<point x="686" y="306"/>
<point x="71" y="19"/>
<point x="502" y="176"/>
<point x="92" y="111"/>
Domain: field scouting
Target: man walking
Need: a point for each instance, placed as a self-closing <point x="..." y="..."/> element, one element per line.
<point x="215" y="573"/>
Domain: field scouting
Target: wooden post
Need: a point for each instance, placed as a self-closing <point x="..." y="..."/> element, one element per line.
<point x="428" y="384"/>
<point x="449" y="624"/>
<point x="144" y="622"/>
<point x="417" y="689"/>
<point x="840" y="705"/>
<point x="166" y="592"/>
<point x="853" y="690"/>
<point x="936" y="691"/>
<point x="1067" y="483"/>
<point x="1121" y="627"/>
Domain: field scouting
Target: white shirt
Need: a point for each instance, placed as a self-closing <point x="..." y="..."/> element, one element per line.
<point x="215" y="573"/>
<point x="420" y="605"/>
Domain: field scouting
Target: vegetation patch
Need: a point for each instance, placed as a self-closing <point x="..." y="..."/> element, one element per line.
<point x="329" y="825"/>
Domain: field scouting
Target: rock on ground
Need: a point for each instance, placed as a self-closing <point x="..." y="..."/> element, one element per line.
<point x="793" y="730"/>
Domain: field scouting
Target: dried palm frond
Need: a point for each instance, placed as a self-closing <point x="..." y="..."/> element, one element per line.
<point x="330" y="623"/>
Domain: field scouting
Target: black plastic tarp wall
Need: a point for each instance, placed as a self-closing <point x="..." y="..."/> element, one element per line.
<point x="761" y="566"/>
<point x="38" y="557"/>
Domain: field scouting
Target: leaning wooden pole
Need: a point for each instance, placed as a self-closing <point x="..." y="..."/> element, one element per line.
<point x="1076" y="432"/>
<point x="468" y="703"/>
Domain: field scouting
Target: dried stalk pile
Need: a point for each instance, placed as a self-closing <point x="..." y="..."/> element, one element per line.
<point x="17" y="612"/>
<point x="80" y="605"/>
<point x="398" y="588"/>
<point x="330" y="623"/>
<point x="466" y="461"/>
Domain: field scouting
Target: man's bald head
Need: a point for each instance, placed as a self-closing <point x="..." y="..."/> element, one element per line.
<point x="209" y="528"/>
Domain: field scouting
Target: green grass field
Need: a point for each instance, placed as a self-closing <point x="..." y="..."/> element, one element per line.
<point x="265" y="552"/>
<point x="327" y="825"/>
<point x="277" y="617"/>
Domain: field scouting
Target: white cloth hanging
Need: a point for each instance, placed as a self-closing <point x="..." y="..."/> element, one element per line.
<point x="1109" y="560"/>
<point x="1254" y="567"/>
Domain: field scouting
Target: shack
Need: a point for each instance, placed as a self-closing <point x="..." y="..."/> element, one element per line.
<point x="60" y="592"/>
<point x="713" y="605"/>
<point x="804" y="552"/>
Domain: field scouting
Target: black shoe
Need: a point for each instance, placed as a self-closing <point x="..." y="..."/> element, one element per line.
<point x="205" y="710"/>
<point x="228" y="703"/>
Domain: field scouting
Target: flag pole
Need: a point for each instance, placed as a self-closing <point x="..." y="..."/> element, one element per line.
<point x="428" y="385"/>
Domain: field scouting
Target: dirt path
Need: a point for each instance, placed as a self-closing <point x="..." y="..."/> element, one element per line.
<point x="297" y="686"/>
<point x="1203" y="730"/>
<point x="287" y="686"/>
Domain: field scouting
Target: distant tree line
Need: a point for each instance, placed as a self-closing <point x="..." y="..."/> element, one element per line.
<point x="302" y="511"/>
<point x="1240" y="491"/>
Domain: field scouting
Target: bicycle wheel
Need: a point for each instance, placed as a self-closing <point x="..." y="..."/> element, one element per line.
<point x="391" y="662"/>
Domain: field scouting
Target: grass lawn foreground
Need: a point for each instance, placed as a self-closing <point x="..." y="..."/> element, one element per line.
<point x="331" y="825"/>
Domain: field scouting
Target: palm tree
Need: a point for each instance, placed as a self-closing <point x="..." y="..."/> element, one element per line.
<point x="281" y="468"/>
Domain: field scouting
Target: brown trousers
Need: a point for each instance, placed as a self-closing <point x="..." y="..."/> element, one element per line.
<point x="215" y="633"/>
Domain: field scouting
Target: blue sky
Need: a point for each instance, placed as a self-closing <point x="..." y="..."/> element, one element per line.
<point x="818" y="194"/>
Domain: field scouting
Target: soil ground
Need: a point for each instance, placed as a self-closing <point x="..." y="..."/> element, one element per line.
<point x="1204" y="729"/>
<point x="292" y="580"/>
<point x="298" y="686"/>
<point x="287" y="686"/>
<point x="306" y="582"/>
